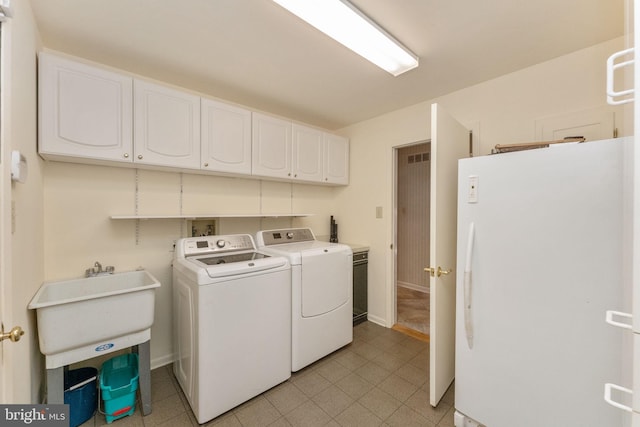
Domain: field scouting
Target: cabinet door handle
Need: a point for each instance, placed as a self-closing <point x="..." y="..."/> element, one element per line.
<point x="126" y="155"/>
<point x="140" y="156"/>
<point x="206" y="165"/>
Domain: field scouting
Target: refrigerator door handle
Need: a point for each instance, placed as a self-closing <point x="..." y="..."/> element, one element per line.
<point x="612" y="94"/>
<point x="607" y="396"/>
<point x="468" y="325"/>
<point x="611" y="313"/>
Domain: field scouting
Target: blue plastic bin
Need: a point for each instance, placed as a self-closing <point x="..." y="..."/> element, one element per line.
<point x="118" y="385"/>
<point x="80" y="393"/>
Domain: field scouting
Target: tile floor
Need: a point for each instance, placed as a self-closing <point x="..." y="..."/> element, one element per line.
<point x="378" y="380"/>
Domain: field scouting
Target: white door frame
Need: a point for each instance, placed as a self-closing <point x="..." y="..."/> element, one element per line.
<point x="392" y="294"/>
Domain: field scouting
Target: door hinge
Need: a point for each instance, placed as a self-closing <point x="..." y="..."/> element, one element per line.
<point x="470" y="143"/>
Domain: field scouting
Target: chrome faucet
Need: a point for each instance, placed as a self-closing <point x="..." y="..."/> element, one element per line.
<point x="97" y="270"/>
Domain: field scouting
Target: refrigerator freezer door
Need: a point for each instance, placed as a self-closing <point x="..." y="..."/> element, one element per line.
<point x="546" y="266"/>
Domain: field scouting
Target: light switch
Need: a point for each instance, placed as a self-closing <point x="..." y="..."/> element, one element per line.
<point x="473" y="189"/>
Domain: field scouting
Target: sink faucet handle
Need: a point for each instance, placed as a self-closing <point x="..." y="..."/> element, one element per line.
<point x="98" y="266"/>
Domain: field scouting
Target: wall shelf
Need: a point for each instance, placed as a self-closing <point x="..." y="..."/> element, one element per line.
<point x="210" y="216"/>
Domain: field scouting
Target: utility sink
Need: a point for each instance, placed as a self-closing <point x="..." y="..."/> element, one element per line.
<point x="83" y="318"/>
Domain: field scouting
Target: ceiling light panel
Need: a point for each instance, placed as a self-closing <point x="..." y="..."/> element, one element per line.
<point x="341" y="21"/>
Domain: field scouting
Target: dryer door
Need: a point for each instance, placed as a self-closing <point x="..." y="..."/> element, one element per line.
<point x="327" y="275"/>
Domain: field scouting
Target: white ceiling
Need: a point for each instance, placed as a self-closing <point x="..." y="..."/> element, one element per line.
<point x="255" y="53"/>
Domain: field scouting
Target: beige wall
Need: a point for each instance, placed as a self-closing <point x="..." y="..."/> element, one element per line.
<point x="79" y="200"/>
<point x="22" y="261"/>
<point x="503" y="110"/>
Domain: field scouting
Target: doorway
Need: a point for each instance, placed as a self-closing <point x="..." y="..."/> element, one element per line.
<point x="412" y="206"/>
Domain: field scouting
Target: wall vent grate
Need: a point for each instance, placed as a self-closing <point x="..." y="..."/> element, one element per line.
<point x="417" y="158"/>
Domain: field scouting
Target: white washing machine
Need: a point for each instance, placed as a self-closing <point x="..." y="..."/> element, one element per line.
<point x="321" y="292"/>
<point x="232" y="322"/>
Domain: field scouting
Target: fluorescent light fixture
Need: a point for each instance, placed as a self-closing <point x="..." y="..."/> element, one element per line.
<point x="341" y="21"/>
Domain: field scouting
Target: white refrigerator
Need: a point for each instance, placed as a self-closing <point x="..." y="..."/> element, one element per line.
<point x="540" y="261"/>
<point x="622" y="66"/>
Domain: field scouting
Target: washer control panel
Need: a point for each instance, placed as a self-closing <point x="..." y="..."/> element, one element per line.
<point x="287" y="235"/>
<point x="216" y="244"/>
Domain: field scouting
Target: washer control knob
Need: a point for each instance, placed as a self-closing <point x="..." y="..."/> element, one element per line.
<point x="220" y="243"/>
<point x="290" y="235"/>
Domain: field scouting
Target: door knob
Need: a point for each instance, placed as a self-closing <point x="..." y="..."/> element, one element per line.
<point x="443" y="272"/>
<point x="14" y="334"/>
<point x="437" y="271"/>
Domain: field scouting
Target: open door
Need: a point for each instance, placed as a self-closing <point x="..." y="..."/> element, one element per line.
<point x="449" y="142"/>
<point x="5" y="210"/>
<point x="8" y="332"/>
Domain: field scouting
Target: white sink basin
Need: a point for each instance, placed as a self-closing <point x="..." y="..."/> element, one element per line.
<point x="82" y="318"/>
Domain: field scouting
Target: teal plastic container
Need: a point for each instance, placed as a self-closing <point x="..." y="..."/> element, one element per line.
<point x="118" y="385"/>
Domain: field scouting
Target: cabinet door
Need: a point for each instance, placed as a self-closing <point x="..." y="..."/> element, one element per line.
<point x="271" y="146"/>
<point x="307" y="153"/>
<point x="336" y="159"/>
<point x="84" y="111"/>
<point x="167" y="126"/>
<point x="226" y="138"/>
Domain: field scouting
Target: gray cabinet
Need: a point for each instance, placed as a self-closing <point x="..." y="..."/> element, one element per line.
<point x="360" y="284"/>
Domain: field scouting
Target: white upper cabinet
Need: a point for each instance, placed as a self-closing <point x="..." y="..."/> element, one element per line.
<point x="226" y="138"/>
<point x="271" y="146"/>
<point x="167" y="126"/>
<point x="336" y="159"/>
<point x="297" y="152"/>
<point x="89" y="114"/>
<point x="307" y="153"/>
<point x="84" y="111"/>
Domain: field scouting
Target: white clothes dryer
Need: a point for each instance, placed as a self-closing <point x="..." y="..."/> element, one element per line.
<point x="321" y="292"/>
<point x="232" y="322"/>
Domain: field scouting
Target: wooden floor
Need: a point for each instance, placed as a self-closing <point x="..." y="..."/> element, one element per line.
<point x="413" y="310"/>
<point x="410" y="332"/>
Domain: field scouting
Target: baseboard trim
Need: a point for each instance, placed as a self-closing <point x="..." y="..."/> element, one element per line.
<point x="377" y="320"/>
<point x="413" y="287"/>
<point x="159" y="362"/>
